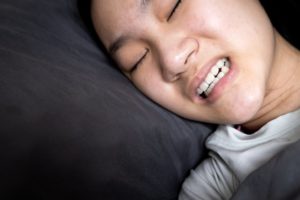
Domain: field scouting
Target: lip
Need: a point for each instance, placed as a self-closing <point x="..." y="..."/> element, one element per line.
<point x="219" y="87"/>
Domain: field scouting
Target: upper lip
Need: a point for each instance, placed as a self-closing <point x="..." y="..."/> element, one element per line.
<point x="201" y="75"/>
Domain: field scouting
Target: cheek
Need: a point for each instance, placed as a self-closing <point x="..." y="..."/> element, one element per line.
<point x="150" y="82"/>
<point x="235" y="20"/>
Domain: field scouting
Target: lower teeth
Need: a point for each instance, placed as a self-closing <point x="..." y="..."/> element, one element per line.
<point x="205" y="93"/>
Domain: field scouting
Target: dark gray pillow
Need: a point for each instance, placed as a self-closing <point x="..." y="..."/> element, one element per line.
<point x="73" y="127"/>
<point x="279" y="179"/>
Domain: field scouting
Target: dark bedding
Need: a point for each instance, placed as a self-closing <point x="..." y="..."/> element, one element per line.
<point x="279" y="179"/>
<point x="72" y="127"/>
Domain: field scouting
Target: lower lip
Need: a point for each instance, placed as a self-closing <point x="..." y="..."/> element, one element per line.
<point x="219" y="88"/>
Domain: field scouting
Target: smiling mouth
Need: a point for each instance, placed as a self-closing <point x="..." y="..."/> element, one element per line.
<point x="217" y="72"/>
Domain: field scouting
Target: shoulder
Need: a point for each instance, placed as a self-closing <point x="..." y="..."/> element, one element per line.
<point x="212" y="179"/>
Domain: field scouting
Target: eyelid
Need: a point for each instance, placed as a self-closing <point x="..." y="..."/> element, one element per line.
<point x="174" y="9"/>
<point x="139" y="61"/>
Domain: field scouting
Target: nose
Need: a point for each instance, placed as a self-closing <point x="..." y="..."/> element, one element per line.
<point x="177" y="55"/>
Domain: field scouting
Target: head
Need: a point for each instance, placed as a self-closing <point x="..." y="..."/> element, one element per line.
<point x="171" y="49"/>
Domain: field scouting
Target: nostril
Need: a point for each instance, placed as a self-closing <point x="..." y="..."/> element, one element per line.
<point x="188" y="57"/>
<point x="171" y="77"/>
<point x="176" y="77"/>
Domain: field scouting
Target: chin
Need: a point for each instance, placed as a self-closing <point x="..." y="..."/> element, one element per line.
<point x="242" y="110"/>
<point x="241" y="116"/>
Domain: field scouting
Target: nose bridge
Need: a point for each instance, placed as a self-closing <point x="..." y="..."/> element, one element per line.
<point x="174" y="52"/>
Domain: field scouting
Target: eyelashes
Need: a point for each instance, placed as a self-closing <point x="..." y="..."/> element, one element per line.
<point x="139" y="62"/>
<point x="174" y="9"/>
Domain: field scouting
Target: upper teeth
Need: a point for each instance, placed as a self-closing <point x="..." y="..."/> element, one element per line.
<point x="216" y="73"/>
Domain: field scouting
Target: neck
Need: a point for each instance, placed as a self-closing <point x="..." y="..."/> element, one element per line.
<point x="283" y="87"/>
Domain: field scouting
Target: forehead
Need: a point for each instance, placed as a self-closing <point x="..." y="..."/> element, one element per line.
<point x="115" y="17"/>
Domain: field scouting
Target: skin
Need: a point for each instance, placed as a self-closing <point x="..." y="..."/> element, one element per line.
<point x="175" y="51"/>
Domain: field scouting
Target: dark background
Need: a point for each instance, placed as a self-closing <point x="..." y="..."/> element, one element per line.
<point x="285" y="16"/>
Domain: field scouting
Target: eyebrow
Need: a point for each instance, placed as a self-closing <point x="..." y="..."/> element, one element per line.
<point x="119" y="42"/>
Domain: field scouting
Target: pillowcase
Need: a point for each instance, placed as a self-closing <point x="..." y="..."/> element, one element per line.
<point x="72" y="126"/>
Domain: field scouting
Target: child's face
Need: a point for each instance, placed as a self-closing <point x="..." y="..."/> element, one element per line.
<point x="169" y="47"/>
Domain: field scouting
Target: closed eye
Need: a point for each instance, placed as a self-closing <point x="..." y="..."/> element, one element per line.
<point x="174" y="9"/>
<point x="139" y="62"/>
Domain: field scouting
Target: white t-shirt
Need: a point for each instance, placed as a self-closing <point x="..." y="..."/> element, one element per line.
<point x="234" y="155"/>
